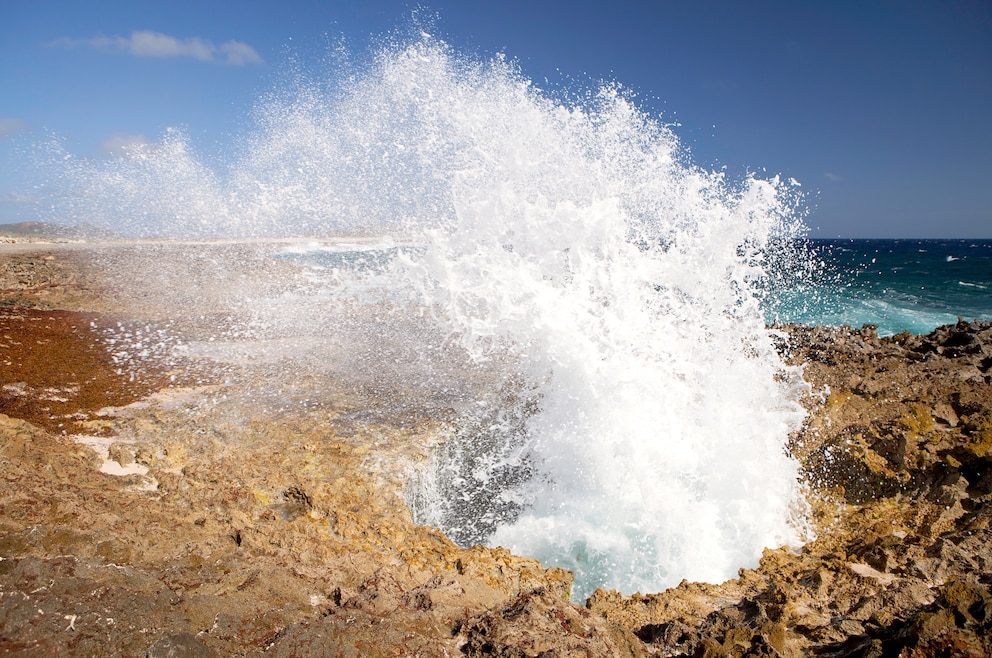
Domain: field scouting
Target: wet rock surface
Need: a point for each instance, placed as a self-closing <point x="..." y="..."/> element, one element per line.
<point x="897" y="458"/>
<point x="190" y="525"/>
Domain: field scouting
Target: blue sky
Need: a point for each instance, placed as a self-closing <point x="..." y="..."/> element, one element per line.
<point x="880" y="109"/>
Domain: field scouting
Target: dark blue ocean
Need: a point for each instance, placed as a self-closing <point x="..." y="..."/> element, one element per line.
<point x="898" y="285"/>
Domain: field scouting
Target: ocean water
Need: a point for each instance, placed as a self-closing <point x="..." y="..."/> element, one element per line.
<point x="549" y="266"/>
<point x="897" y="285"/>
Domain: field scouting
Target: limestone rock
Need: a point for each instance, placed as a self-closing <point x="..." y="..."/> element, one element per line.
<point x="285" y="534"/>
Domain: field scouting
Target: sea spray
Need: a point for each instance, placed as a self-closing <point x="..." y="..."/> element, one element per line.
<point x="647" y="445"/>
<point x="618" y="405"/>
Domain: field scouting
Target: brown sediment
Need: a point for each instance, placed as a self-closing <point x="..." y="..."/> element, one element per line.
<point x="58" y="369"/>
<point x="259" y="531"/>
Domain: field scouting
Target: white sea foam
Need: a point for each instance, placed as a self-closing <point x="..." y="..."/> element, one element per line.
<point x="633" y="414"/>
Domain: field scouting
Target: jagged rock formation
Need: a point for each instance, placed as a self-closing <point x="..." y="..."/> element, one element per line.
<point x="195" y="526"/>
<point x="897" y="455"/>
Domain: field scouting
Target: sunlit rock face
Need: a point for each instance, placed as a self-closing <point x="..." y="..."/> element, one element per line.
<point x="548" y="267"/>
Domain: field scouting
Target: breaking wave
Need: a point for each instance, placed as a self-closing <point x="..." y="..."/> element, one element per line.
<point x="633" y="414"/>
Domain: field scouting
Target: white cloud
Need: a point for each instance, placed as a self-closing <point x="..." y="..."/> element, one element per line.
<point x="119" y="144"/>
<point x="830" y="176"/>
<point x="155" y="44"/>
<point x="240" y="53"/>
<point x="10" y="127"/>
<point x="145" y="43"/>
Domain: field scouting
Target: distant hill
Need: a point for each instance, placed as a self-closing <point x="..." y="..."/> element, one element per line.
<point x="50" y="231"/>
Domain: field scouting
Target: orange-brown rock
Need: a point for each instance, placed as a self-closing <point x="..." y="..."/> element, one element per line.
<point x="195" y="522"/>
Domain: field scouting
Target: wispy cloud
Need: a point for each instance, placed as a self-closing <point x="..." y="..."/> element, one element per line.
<point x="239" y="53"/>
<point x="10" y="127"/>
<point x="17" y="199"/>
<point x="145" y="43"/>
<point x="830" y="176"/>
<point x="119" y="144"/>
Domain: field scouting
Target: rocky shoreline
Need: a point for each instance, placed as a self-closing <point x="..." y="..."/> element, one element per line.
<point x="185" y="526"/>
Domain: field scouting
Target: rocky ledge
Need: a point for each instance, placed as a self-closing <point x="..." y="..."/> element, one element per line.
<point x="896" y="453"/>
<point x="183" y="526"/>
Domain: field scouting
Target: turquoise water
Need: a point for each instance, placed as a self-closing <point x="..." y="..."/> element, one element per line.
<point x="899" y="285"/>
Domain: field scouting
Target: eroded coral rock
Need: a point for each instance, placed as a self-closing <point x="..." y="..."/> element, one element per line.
<point x="272" y="534"/>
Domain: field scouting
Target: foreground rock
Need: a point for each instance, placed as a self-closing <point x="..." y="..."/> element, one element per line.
<point x="191" y="524"/>
<point x="897" y="455"/>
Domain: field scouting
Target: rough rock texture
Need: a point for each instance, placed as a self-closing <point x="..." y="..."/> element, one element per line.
<point x="188" y="524"/>
<point x="43" y="278"/>
<point x="897" y="455"/>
